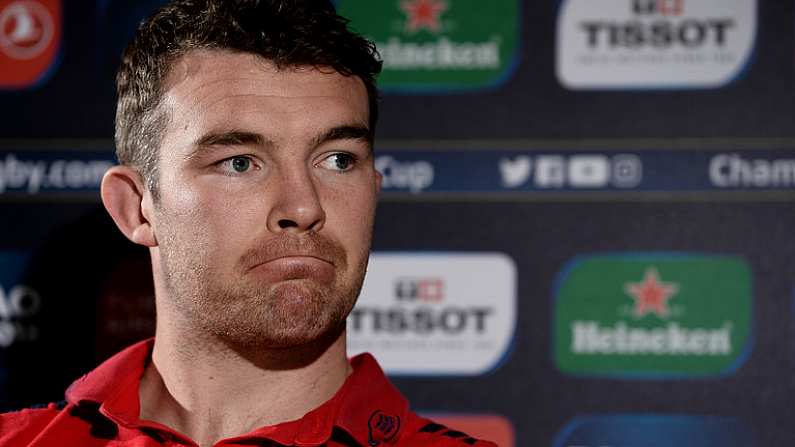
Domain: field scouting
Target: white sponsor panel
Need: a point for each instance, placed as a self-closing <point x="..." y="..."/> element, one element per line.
<point x="586" y="171"/>
<point x="32" y="176"/>
<point x="627" y="171"/>
<point x="616" y="44"/>
<point x="19" y="303"/>
<point x="414" y="176"/>
<point x="515" y="172"/>
<point x="589" y="171"/>
<point x="436" y="313"/>
<point x="734" y="171"/>
<point x="550" y="171"/>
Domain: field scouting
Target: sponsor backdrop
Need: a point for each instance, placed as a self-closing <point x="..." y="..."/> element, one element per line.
<point x="584" y="237"/>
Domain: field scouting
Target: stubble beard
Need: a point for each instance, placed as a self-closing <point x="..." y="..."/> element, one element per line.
<point x="248" y="314"/>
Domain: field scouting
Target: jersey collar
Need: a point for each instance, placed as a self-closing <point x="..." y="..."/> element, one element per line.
<point x="367" y="407"/>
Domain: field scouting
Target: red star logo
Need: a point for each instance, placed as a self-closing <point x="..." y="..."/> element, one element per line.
<point x="423" y="14"/>
<point x="651" y="295"/>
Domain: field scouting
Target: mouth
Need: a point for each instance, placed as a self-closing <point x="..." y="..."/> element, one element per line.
<point x="292" y="267"/>
<point x="292" y="258"/>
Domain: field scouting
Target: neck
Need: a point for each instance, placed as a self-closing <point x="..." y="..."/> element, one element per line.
<point x="209" y="391"/>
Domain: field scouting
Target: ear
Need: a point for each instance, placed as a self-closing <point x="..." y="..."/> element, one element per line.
<point x="378" y="179"/>
<point x="129" y="203"/>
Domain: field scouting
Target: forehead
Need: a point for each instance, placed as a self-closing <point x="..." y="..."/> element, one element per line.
<point x="226" y="83"/>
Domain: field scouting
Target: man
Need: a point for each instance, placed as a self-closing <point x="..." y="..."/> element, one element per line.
<point x="244" y="131"/>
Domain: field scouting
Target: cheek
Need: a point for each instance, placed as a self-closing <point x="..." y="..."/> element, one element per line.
<point x="349" y="215"/>
<point x="205" y="219"/>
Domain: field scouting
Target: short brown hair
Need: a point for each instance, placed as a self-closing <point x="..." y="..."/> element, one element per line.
<point x="286" y="32"/>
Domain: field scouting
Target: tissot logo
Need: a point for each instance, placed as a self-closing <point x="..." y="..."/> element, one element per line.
<point x="439" y="44"/>
<point x="654" y="430"/>
<point x="652" y="315"/>
<point x="30" y="33"/>
<point x="440" y="313"/>
<point x="19" y="303"/>
<point x="653" y="43"/>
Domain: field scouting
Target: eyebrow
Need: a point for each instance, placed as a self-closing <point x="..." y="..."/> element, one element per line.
<point x="244" y="138"/>
<point x="231" y="138"/>
<point x="227" y="138"/>
<point x="351" y="132"/>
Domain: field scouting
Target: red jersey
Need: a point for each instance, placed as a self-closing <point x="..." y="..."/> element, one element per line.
<point x="102" y="409"/>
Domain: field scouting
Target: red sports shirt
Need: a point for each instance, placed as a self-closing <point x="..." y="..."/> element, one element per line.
<point x="102" y="409"/>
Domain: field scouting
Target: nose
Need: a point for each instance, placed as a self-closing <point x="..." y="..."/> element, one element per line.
<point x="297" y="206"/>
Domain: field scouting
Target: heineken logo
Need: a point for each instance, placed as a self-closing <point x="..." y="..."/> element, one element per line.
<point x="423" y="14"/>
<point x="591" y="338"/>
<point x="652" y="315"/>
<point x="438" y="44"/>
<point x="651" y="295"/>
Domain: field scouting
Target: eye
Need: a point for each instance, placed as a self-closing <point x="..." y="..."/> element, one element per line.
<point x="339" y="161"/>
<point x="237" y="165"/>
<point x="241" y="164"/>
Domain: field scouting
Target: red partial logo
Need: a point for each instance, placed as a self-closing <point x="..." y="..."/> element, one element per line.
<point x="30" y="34"/>
<point x="662" y="7"/>
<point x="489" y="427"/>
<point x="429" y="290"/>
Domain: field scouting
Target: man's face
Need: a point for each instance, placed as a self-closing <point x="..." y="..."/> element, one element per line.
<point x="267" y="196"/>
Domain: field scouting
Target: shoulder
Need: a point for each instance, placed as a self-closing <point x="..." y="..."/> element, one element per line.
<point x="18" y="428"/>
<point x="423" y="432"/>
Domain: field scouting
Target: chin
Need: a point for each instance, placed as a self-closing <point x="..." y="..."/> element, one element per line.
<point x="285" y="334"/>
<point x="291" y="314"/>
<point x="295" y="339"/>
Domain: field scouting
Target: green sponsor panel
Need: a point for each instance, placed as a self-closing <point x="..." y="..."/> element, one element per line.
<point x="652" y="315"/>
<point x="439" y="44"/>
